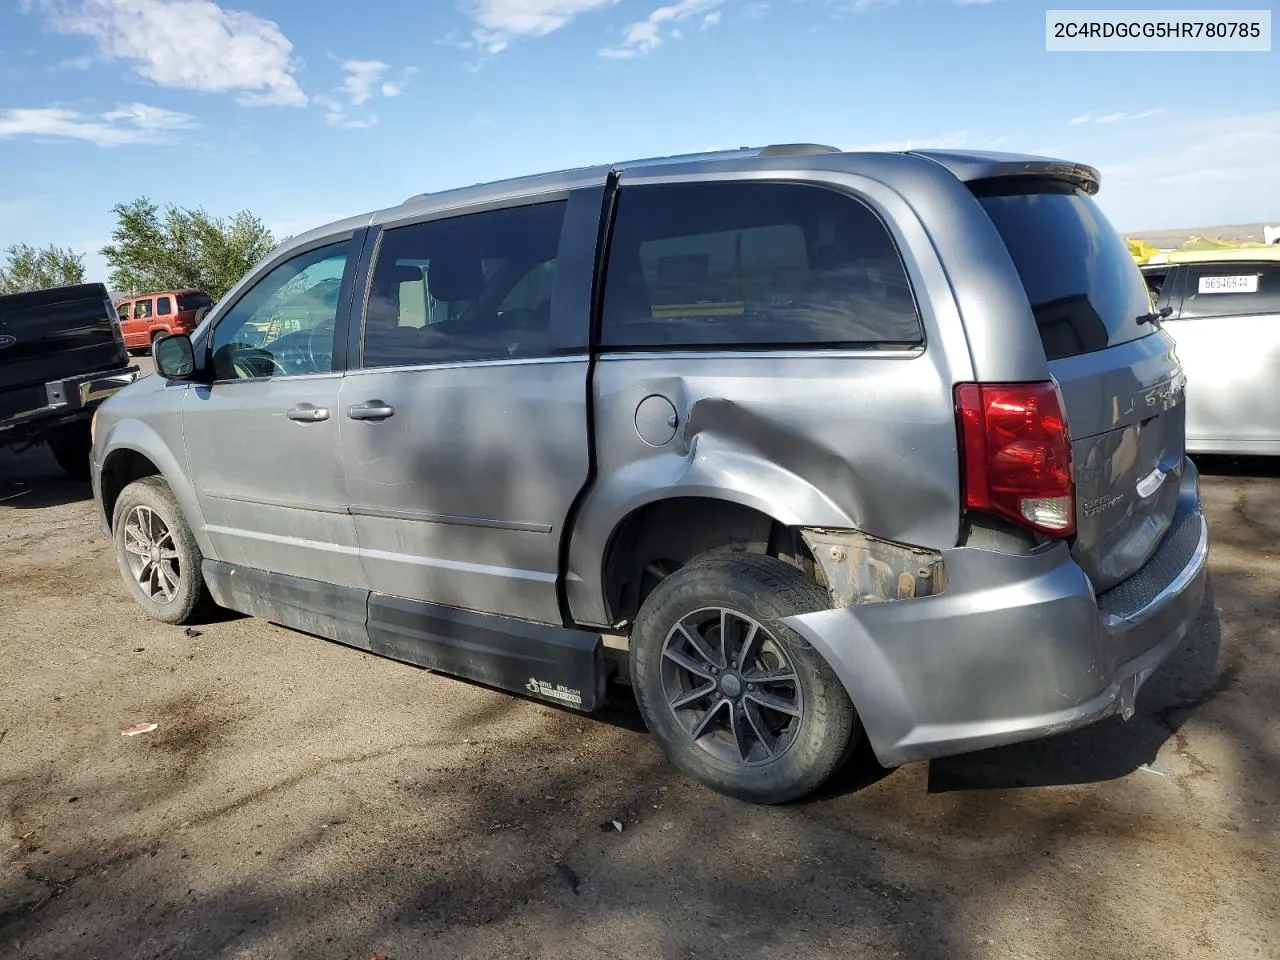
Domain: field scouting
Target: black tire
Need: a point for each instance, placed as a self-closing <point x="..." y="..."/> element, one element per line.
<point x="70" y="445"/>
<point x="179" y="575"/>
<point x="808" y="744"/>
<point x="151" y="351"/>
<point x="201" y="314"/>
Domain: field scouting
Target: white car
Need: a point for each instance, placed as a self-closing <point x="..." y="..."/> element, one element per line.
<point x="1223" y="309"/>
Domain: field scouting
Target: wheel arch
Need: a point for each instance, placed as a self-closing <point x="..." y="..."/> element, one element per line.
<point x="660" y="535"/>
<point x="133" y="451"/>
<point x="759" y="488"/>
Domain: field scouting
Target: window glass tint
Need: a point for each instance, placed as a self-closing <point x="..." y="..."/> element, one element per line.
<point x="1155" y="278"/>
<point x="752" y="264"/>
<point x="475" y="287"/>
<point x="284" y="325"/>
<point x="1231" y="289"/>
<point x="193" y="301"/>
<point x="163" y="306"/>
<point x="123" y="310"/>
<point x="142" y="309"/>
<point x="1085" y="290"/>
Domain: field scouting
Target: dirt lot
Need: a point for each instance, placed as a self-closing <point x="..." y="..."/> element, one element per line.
<point x="300" y="799"/>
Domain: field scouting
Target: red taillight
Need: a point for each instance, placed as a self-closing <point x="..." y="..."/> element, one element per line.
<point x="1015" y="453"/>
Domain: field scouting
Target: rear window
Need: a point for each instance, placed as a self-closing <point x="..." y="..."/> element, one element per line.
<point x="1231" y="290"/>
<point x="193" y="301"/>
<point x="1084" y="288"/>
<point x="750" y="264"/>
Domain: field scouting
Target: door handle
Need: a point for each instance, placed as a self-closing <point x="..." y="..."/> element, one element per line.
<point x="370" y="410"/>
<point x="306" y="413"/>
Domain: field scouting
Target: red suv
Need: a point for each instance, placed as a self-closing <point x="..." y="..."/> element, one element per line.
<point x="145" y="319"/>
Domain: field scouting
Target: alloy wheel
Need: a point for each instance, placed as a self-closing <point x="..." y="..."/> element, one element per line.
<point x="731" y="685"/>
<point x="152" y="554"/>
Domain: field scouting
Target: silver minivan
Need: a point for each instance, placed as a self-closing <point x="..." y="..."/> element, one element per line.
<point x="808" y="447"/>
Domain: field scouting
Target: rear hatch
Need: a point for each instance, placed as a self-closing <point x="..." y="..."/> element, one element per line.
<point x="1120" y="378"/>
<point x="54" y="334"/>
<point x="190" y="305"/>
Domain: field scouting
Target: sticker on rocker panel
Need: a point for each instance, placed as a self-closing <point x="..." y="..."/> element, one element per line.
<point x="556" y="691"/>
<point x="1244" y="284"/>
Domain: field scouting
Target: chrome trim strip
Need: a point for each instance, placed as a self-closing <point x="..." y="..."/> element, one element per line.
<point x="719" y="353"/>
<point x="239" y="533"/>
<point x="422" y="516"/>
<point x="459" y="566"/>
<point x="288" y="504"/>
<point x="580" y="357"/>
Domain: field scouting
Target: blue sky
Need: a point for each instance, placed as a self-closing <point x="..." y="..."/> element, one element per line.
<point x="306" y="112"/>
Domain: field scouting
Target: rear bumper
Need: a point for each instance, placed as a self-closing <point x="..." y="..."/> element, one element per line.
<point x="1017" y="647"/>
<point x="64" y="399"/>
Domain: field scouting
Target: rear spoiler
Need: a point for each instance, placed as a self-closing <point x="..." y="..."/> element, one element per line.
<point x="971" y="166"/>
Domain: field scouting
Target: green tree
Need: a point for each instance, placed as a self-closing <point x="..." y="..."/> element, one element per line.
<point x="26" y="268"/>
<point x="177" y="248"/>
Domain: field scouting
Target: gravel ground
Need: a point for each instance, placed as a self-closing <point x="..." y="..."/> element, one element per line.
<point x="301" y="799"/>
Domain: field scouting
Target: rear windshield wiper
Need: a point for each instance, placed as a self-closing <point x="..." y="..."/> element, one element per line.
<point x="1160" y="314"/>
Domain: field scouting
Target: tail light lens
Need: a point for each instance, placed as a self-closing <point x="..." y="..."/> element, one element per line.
<point x="1015" y="453"/>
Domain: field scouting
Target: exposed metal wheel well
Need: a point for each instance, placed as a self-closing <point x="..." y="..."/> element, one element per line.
<point x="121" y="469"/>
<point x="659" y="538"/>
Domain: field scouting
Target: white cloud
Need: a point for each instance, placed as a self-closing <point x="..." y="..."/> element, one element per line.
<point x="1208" y="172"/>
<point x="149" y="118"/>
<point x="190" y="45"/>
<point x="362" y="77"/>
<point x="861" y="6"/>
<point x="953" y="140"/>
<point x="711" y="19"/>
<point x="501" y="22"/>
<point x="128" y="123"/>
<point x="363" y="80"/>
<point x="1118" y="117"/>
<point x="645" y="35"/>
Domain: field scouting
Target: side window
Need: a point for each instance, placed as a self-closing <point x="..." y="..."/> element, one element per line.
<point x="123" y="310"/>
<point x="1231" y="289"/>
<point x="142" y="310"/>
<point x="284" y="325"/>
<point x="474" y="287"/>
<point x="164" y="306"/>
<point x="752" y="264"/>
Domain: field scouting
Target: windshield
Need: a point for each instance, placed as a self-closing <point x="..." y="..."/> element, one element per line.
<point x="1084" y="288"/>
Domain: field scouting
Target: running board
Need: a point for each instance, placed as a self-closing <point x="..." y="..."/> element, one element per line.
<point x="323" y="609"/>
<point x="550" y="663"/>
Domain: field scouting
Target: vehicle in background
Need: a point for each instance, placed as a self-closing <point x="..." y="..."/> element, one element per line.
<point x="61" y="355"/>
<point x="828" y="446"/>
<point x="145" y="319"/>
<point x="1222" y="307"/>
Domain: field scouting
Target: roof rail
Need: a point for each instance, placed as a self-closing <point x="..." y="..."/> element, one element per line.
<point x="792" y="149"/>
<point x="416" y="197"/>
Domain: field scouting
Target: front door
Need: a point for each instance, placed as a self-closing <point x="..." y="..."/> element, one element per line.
<point x="263" y="440"/>
<point x="464" y="429"/>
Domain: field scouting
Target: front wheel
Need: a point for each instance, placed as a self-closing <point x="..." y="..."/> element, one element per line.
<point x="156" y="552"/>
<point x="734" y="697"/>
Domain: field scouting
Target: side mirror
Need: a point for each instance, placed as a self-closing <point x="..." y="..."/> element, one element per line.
<point x="175" y="357"/>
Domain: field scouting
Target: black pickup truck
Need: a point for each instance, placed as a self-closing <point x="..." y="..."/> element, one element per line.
<point x="61" y="354"/>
